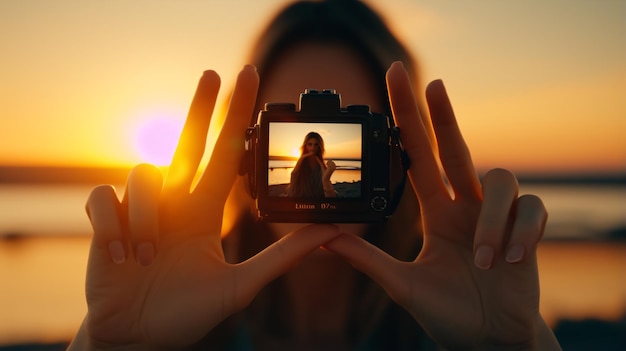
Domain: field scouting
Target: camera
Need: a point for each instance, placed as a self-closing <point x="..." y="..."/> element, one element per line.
<point x="323" y="162"/>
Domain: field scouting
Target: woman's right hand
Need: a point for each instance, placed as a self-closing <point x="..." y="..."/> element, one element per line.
<point x="156" y="275"/>
<point x="304" y="156"/>
<point x="474" y="284"/>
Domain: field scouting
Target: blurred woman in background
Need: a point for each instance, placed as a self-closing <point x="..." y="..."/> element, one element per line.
<point x="460" y="269"/>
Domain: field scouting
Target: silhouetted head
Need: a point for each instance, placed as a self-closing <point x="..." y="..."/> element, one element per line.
<point x="313" y="142"/>
<point x="309" y="32"/>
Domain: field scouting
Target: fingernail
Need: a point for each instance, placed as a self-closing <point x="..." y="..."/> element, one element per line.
<point x="210" y="77"/>
<point x="249" y="67"/>
<point x="117" y="252"/>
<point x="483" y="258"/>
<point x="145" y="253"/>
<point x="515" y="254"/>
<point x="398" y="63"/>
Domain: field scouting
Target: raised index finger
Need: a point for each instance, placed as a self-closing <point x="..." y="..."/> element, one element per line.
<point x="225" y="160"/>
<point x="192" y="140"/>
<point x="453" y="151"/>
<point x="424" y="173"/>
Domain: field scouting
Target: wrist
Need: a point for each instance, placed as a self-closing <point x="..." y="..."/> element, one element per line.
<point x="94" y="345"/>
<point x="544" y="337"/>
<point x="84" y="342"/>
<point x="541" y="339"/>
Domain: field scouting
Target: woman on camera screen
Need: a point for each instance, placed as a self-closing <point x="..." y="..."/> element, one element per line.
<point x="310" y="176"/>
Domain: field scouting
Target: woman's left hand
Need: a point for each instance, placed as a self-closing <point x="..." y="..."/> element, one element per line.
<point x="475" y="283"/>
<point x="157" y="275"/>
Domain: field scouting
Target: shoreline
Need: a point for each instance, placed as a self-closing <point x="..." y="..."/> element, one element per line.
<point x="344" y="190"/>
<point x="117" y="175"/>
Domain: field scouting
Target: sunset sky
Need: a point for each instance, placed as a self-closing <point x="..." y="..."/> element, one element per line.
<point x="537" y="85"/>
<point x="340" y="140"/>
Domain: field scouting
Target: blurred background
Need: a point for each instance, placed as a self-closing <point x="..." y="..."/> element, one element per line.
<point x="89" y="88"/>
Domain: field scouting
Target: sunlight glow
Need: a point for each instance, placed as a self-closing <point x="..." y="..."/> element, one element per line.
<point x="156" y="139"/>
<point x="295" y="152"/>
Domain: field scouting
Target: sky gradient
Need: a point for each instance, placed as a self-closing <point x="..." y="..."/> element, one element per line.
<point x="340" y="140"/>
<point x="538" y="86"/>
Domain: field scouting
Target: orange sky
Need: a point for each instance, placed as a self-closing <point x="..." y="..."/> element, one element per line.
<point x="537" y="86"/>
<point x="340" y="140"/>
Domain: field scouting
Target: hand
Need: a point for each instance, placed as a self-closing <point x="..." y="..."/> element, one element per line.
<point x="308" y="154"/>
<point x="475" y="283"/>
<point x="156" y="274"/>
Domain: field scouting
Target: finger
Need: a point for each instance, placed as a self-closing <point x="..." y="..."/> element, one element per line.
<point x="424" y="172"/>
<point x="369" y="259"/>
<point x="103" y="210"/>
<point x="453" y="151"/>
<point x="528" y="228"/>
<point x="282" y="255"/>
<point x="193" y="138"/>
<point x="224" y="164"/>
<point x="500" y="190"/>
<point x="143" y="189"/>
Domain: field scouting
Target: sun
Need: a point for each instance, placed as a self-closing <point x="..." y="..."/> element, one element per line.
<point x="295" y="152"/>
<point x="156" y="138"/>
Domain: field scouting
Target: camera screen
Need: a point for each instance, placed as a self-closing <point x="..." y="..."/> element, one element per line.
<point x="306" y="159"/>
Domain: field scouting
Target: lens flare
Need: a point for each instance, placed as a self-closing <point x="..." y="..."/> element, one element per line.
<point x="156" y="139"/>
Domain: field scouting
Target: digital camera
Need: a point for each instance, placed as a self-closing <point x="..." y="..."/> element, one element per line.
<point x="293" y="181"/>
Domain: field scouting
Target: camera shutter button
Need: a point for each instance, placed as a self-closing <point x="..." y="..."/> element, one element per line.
<point x="378" y="203"/>
<point x="280" y="106"/>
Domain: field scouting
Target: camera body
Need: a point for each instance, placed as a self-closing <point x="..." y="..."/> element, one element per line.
<point x="364" y="146"/>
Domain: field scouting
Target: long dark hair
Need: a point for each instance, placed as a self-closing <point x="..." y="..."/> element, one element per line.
<point x="355" y="26"/>
<point x="350" y="23"/>
<point x="306" y="177"/>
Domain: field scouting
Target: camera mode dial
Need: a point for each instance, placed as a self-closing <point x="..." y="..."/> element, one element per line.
<point x="378" y="203"/>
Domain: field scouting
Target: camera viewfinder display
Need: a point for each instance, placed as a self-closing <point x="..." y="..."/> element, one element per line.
<point x="302" y="154"/>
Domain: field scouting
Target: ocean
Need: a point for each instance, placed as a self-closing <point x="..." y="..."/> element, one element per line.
<point x="576" y="211"/>
<point x="45" y="235"/>
<point x="279" y="172"/>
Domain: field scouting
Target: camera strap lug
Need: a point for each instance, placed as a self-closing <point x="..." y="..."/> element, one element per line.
<point x="246" y="166"/>
<point x="396" y="143"/>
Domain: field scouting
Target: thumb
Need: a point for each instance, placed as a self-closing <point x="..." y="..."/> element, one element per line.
<point x="282" y="255"/>
<point x="384" y="269"/>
